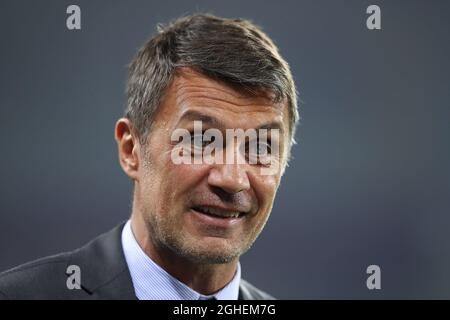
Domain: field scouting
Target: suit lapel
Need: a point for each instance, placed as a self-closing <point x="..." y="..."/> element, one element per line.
<point x="244" y="293"/>
<point x="104" y="271"/>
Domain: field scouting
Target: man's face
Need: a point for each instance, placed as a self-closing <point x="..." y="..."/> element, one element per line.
<point x="181" y="203"/>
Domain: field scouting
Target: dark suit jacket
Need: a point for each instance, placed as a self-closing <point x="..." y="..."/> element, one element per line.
<point x="104" y="274"/>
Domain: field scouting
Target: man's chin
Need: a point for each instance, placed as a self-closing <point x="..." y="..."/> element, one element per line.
<point x="211" y="250"/>
<point x="212" y="258"/>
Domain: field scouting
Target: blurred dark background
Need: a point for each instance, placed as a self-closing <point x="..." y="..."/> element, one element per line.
<point x="370" y="178"/>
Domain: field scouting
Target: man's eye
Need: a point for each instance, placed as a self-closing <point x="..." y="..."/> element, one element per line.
<point x="257" y="151"/>
<point x="260" y="148"/>
<point x="197" y="141"/>
<point x="263" y="149"/>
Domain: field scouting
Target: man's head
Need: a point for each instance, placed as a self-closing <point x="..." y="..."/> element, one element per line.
<point x="229" y="75"/>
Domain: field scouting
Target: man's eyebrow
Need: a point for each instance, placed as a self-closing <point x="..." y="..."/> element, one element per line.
<point x="272" y="125"/>
<point x="194" y="115"/>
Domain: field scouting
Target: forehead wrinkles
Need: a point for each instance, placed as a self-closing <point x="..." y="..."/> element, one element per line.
<point x="188" y="94"/>
<point x="216" y="96"/>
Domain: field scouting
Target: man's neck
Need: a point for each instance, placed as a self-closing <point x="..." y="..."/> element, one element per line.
<point x="205" y="279"/>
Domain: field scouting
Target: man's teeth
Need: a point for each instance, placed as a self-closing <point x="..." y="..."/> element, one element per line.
<point x="220" y="212"/>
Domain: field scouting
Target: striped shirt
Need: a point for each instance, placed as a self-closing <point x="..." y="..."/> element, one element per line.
<point x="151" y="282"/>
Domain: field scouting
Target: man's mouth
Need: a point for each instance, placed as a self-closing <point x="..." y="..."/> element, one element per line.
<point x="219" y="212"/>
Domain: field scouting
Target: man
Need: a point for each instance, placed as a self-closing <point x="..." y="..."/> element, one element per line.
<point x="190" y="222"/>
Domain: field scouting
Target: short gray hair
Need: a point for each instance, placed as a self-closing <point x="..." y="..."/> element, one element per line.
<point x="234" y="51"/>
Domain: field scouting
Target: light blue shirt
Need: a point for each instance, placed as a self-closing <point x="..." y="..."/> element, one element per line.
<point x="151" y="282"/>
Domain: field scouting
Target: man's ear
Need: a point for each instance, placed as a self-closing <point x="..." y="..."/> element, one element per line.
<point x="128" y="147"/>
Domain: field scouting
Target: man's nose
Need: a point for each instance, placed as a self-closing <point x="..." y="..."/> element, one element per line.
<point x="231" y="178"/>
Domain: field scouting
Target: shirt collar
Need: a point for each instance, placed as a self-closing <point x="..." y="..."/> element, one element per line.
<point x="151" y="282"/>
